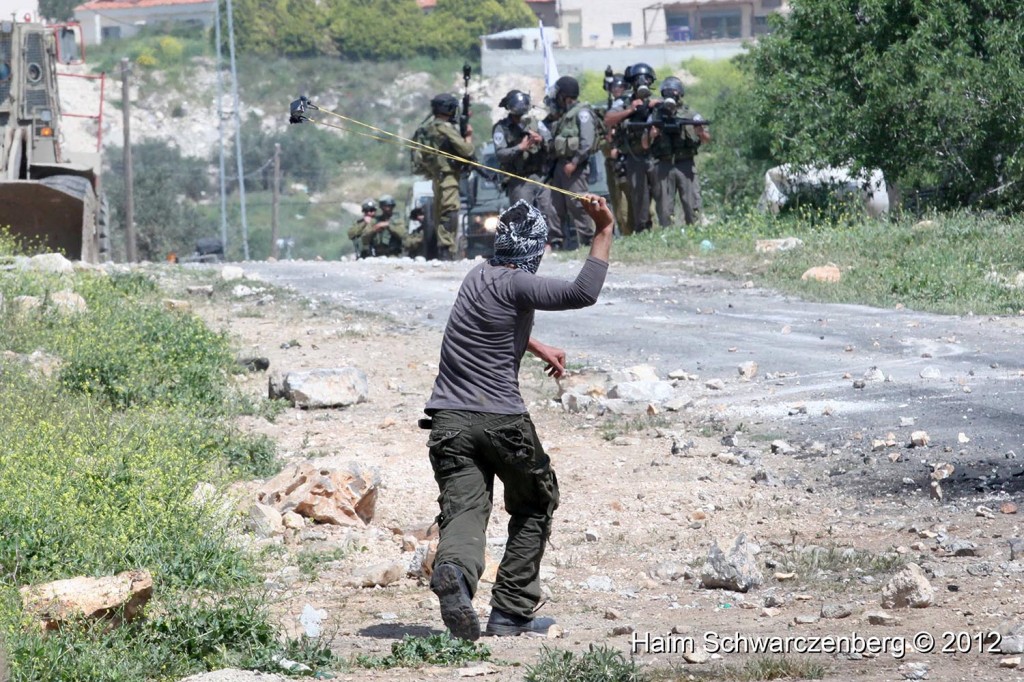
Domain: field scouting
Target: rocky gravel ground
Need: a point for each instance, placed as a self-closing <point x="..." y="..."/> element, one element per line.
<point x="667" y="503"/>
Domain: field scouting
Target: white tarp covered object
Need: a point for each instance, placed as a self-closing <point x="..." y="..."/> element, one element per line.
<point x="783" y="181"/>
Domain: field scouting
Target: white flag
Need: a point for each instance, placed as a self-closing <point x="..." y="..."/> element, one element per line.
<point x="550" y="68"/>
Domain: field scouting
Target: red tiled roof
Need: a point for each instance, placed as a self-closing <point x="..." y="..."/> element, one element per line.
<point x="102" y="5"/>
<point x="427" y="4"/>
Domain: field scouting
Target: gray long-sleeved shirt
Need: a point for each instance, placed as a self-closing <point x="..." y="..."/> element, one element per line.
<point x="489" y="328"/>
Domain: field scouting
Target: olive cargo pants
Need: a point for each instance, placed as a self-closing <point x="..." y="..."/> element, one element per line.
<point x="467" y="450"/>
<point x="618" y="192"/>
<point x="446" y="215"/>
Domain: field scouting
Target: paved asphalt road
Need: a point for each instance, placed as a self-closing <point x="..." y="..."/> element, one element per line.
<point x="973" y="366"/>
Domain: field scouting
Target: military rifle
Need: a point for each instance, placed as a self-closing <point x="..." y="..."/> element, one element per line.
<point x="467" y="71"/>
<point x="609" y="76"/>
<point x="668" y="124"/>
<point x="665" y="119"/>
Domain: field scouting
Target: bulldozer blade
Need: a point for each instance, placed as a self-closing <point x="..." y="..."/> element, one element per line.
<point x="47" y="216"/>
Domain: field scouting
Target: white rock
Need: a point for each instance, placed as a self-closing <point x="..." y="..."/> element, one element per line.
<point x="908" y="588"/>
<point x="230" y="273"/>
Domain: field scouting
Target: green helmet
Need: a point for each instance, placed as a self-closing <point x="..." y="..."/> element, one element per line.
<point x="387" y="200"/>
<point x="445" y="103"/>
<point x="369" y="205"/>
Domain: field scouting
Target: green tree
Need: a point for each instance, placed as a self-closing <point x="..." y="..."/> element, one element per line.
<point x="731" y="167"/>
<point x="167" y="187"/>
<point x="456" y="25"/>
<point x="929" y="92"/>
<point x="57" y="10"/>
<point x="379" y="29"/>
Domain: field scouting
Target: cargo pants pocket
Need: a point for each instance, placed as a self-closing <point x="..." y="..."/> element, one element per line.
<point x="547" y="490"/>
<point x="512" y="445"/>
<point x="445" y="462"/>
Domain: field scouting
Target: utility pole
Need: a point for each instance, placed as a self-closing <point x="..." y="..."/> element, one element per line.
<point x="129" y="190"/>
<point x="220" y="136"/>
<point x="275" y="202"/>
<point x="238" y="130"/>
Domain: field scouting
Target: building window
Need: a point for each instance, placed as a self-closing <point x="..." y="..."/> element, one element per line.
<point x="504" y="43"/>
<point x="718" y="25"/>
<point x="771" y="4"/>
<point x="110" y="33"/>
<point x="677" y="26"/>
<point x="623" y="31"/>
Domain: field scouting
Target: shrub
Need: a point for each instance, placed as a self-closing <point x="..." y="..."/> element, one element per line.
<point x="440" y="649"/>
<point x="600" y="664"/>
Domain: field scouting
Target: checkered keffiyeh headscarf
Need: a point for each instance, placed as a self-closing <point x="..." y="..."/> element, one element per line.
<point x="521" y="237"/>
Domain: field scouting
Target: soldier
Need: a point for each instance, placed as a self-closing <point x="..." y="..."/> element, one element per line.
<point x="572" y="144"/>
<point x="639" y="165"/>
<point x="520" y="143"/>
<point x="614" y="161"/>
<point x="361" y="226"/>
<point x="414" y="239"/>
<point x="674" y="147"/>
<point x="444" y="135"/>
<point x="378" y="235"/>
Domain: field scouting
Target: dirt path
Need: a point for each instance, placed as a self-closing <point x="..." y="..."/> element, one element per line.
<point x="636" y="521"/>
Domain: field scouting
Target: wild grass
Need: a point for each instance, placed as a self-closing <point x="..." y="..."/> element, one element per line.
<point x="118" y="459"/>
<point x="598" y="664"/>
<point x="416" y="652"/>
<point x="757" y="669"/>
<point x="957" y="263"/>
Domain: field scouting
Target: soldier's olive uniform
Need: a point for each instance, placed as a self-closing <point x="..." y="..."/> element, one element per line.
<point x="444" y="135"/>
<point x="641" y="182"/>
<point x="573" y="140"/>
<point x="413" y="242"/>
<point x="618" y="188"/>
<point x="387" y="242"/>
<point x="674" y="150"/>
<point x="532" y="163"/>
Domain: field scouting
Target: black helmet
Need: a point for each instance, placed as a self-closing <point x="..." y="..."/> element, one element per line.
<point x="387" y="200"/>
<point x="369" y="205"/>
<point x="568" y="86"/>
<point x="617" y="81"/>
<point x="640" y="71"/>
<point x="517" y="103"/>
<point x="672" y="87"/>
<point x="444" y="103"/>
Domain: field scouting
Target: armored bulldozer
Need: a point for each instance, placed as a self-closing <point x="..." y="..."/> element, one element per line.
<point x="47" y="199"/>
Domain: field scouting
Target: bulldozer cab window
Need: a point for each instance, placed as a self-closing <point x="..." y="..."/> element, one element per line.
<point x="69" y="45"/>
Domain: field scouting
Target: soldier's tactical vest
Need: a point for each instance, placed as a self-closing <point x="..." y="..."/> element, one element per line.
<point x="533" y="163"/>
<point x="681" y="143"/>
<point x="567" y="134"/>
<point x="630" y="136"/>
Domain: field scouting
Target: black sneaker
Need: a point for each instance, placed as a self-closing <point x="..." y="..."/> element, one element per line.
<point x="457" y="610"/>
<point x="502" y="624"/>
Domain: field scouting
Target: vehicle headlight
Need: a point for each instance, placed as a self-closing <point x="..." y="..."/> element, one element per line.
<point x="491" y="223"/>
